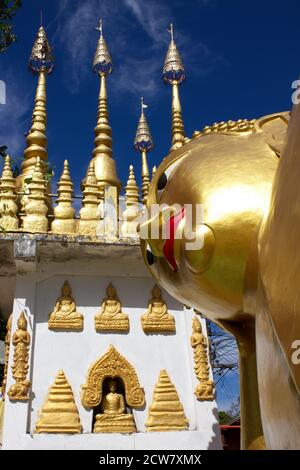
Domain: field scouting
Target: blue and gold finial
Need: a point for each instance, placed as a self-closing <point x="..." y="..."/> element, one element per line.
<point x="143" y="143"/>
<point x="143" y="140"/>
<point x="41" y="57"/>
<point x="102" y="60"/>
<point x="174" y="74"/>
<point x="173" y="70"/>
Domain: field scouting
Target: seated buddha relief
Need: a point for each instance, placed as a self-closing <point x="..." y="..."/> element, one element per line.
<point x="157" y="319"/>
<point x="65" y="315"/>
<point x="111" y="317"/>
<point x="114" y="416"/>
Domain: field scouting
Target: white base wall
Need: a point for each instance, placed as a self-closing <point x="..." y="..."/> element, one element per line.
<point x="74" y="352"/>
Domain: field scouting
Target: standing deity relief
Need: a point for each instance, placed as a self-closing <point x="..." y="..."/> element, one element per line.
<point x="21" y="342"/>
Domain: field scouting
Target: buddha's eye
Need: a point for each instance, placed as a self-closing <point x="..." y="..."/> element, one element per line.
<point x="149" y="256"/>
<point x="162" y="182"/>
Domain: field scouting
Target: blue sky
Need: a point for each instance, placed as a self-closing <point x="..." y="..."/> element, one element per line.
<point x="240" y="60"/>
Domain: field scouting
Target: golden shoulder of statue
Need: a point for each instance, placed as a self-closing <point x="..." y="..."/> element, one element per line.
<point x="225" y="175"/>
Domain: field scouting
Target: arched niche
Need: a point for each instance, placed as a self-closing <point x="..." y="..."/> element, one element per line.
<point x="112" y="364"/>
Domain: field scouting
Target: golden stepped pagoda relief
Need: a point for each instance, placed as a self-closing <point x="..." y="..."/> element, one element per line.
<point x="206" y="389"/>
<point x="59" y="414"/>
<point x="157" y="319"/>
<point x="19" y="391"/>
<point x="65" y="315"/>
<point x="166" y="412"/>
<point x="111" y="317"/>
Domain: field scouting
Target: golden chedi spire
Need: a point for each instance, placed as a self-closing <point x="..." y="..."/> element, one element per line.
<point x="8" y="207"/>
<point x="173" y="73"/>
<point x="59" y="414"/>
<point x="89" y="213"/>
<point x="166" y="412"/>
<point x="143" y="143"/>
<point x="41" y="63"/>
<point x="131" y="213"/>
<point x="36" y="209"/>
<point x="64" y="213"/>
<point x="105" y="166"/>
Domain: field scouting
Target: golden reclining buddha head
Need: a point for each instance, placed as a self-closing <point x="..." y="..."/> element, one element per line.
<point x="204" y="250"/>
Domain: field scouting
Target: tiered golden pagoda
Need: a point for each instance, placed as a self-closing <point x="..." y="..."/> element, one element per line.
<point x="131" y="213"/>
<point x="41" y="63"/>
<point x="143" y="143"/>
<point x="89" y="213"/>
<point x="173" y="73"/>
<point x="8" y="207"/>
<point x="36" y="209"/>
<point x="64" y="213"/>
<point x="166" y="412"/>
<point x="59" y="414"/>
<point x="104" y="164"/>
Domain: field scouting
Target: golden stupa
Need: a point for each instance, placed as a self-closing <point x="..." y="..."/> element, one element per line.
<point x="59" y="414"/>
<point x="166" y="412"/>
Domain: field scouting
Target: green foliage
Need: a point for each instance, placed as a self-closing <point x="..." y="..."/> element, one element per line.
<point x="8" y="10"/>
<point x="224" y="417"/>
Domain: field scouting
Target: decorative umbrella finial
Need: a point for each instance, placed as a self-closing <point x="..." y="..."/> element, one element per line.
<point x="102" y="64"/>
<point x="143" y="143"/>
<point x="41" y="57"/>
<point x="174" y="74"/>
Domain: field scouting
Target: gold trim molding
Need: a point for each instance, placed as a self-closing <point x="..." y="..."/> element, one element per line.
<point x="112" y="364"/>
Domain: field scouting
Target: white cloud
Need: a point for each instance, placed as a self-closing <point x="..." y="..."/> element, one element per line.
<point x="13" y="118"/>
<point x="137" y="68"/>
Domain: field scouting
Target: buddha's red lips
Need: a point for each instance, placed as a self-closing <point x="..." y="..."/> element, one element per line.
<point x="168" y="248"/>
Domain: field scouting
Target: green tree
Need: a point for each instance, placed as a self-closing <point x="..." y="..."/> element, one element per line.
<point x="8" y="10"/>
<point x="224" y="418"/>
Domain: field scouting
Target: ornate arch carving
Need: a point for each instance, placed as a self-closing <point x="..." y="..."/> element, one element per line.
<point x="112" y="364"/>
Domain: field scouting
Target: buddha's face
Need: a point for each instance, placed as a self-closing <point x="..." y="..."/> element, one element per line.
<point x="221" y="184"/>
<point x="66" y="290"/>
<point x="197" y="326"/>
<point x="112" y="386"/>
<point x="111" y="291"/>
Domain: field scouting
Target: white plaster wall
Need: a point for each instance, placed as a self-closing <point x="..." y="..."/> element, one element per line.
<point x="74" y="352"/>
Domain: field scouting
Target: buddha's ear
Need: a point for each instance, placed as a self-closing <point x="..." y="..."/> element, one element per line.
<point x="279" y="255"/>
<point x="274" y="128"/>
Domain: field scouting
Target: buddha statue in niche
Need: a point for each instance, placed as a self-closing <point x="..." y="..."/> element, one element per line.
<point x="111" y="317"/>
<point x="65" y="315"/>
<point x="114" y="417"/>
<point x="157" y="319"/>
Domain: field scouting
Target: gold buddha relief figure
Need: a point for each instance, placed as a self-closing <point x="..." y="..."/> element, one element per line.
<point x="114" y="416"/>
<point x="157" y="319"/>
<point x="65" y="315"/>
<point x="111" y="317"/>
